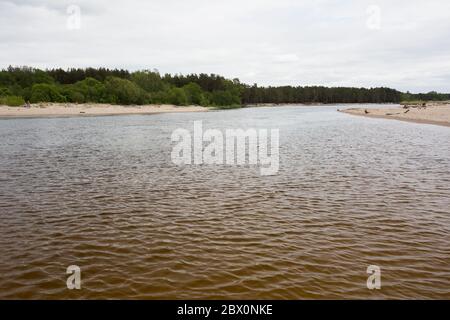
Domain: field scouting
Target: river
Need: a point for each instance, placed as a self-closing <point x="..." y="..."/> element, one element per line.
<point x="102" y="193"/>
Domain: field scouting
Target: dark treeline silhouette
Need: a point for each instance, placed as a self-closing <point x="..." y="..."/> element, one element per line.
<point x="289" y="94"/>
<point x="430" y="96"/>
<point x="118" y="86"/>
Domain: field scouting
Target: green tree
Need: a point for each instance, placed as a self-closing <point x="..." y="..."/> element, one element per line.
<point x="177" y="96"/>
<point x="4" y="92"/>
<point x="92" y="90"/>
<point x="150" y="81"/>
<point x="225" y="99"/>
<point x="43" y="92"/>
<point x="123" y="91"/>
<point x="195" y="95"/>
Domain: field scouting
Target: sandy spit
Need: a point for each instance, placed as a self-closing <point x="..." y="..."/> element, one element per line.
<point x="434" y="114"/>
<point x="70" y="110"/>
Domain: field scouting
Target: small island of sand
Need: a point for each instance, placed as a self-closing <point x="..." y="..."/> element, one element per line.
<point x="432" y="113"/>
<point x="72" y="109"/>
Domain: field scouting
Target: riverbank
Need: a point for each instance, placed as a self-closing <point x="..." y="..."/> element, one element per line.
<point x="437" y="114"/>
<point x="71" y="110"/>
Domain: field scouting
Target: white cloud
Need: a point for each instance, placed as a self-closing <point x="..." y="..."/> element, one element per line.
<point x="271" y="42"/>
<point x="285" y="58"/>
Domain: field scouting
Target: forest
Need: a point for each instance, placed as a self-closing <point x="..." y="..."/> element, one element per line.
<point x="19" y="85"/>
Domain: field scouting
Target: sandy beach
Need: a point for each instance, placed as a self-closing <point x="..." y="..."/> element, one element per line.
<point x="438" y="114"/>
<point x="70" y="110"/>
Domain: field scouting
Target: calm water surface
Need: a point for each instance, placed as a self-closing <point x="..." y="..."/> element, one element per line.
<point x="102" y="193"/>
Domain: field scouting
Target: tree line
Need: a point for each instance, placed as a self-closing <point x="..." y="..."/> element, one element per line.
<point x="118" y="86"/>
<point x="430" y="96"/>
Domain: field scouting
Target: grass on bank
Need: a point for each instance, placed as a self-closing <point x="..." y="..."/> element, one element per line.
<point x="413" y="102"/>
<point x="13" y="101"/>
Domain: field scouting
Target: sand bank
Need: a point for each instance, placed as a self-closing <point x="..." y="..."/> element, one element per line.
<point x="438" y="114"/>
<point x="70" y="110"/>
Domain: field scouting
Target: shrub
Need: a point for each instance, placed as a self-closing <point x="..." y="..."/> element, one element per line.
<point x="195" y="94"/>
<point x="159" y="97"/>
<point x="149" y="81"/>
<point x="71" y="94"/>
<point x="5" y="92"/>
<point x="225" y="99"/>
<point x="177" y="96"/>
<point x="413" y="102"/>
<point x="14" y="101"/>
<point x="124" y="91"/>
<point x="87" y="90"/>
<point x="43" y="92"/>
<point x="25" y="93"/>
<point x="91" y="89"/>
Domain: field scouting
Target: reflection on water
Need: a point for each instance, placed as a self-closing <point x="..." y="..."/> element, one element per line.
<point x="102" y="193"/>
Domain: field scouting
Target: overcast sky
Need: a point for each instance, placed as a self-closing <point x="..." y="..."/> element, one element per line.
<point x="404" y="44"/>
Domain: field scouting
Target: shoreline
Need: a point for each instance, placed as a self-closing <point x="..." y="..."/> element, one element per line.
<point x="315" y="104"/>
<point x="66" y="110"/>
<point x="435" y="114"/>
<point x="62" y="110"/>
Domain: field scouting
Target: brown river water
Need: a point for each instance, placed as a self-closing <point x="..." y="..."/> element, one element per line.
<point x="102" y="193"/>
